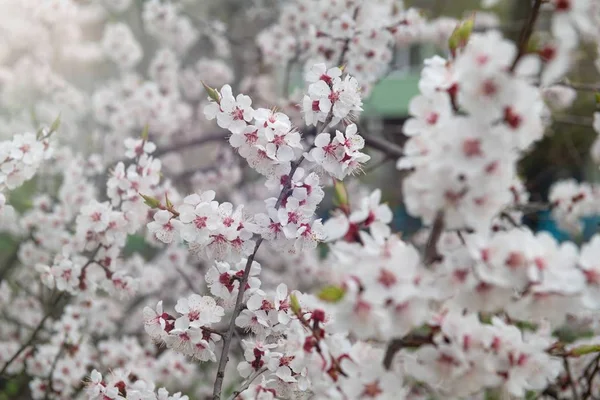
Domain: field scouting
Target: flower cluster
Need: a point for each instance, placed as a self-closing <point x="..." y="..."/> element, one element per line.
<point x="474" y="305"/>
<point x="330" y="98"/>
<point x="88" y="258"/>
<point x="20" y="158"/>
<point x="493" y="114"/>
<point x="115" y="387"/>
<point x="362" y="36"/>
<point x="571" y="202"/>
<point x="190" y="333"/>
<point x="213" y="231"/>
<point x="466" y="354"/>
<point x="341" y="155"/>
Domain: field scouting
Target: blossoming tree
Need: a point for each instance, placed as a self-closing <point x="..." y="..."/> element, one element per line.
<point x="239" y="289"/>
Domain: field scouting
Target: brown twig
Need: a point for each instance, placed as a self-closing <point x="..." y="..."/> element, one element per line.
<point x="382" y="145"/>
<point x="573" y="120"/>
<point x="572" y="382"/>
<point x="526" y="32"/>
<point x="347" y="41"/>
<point x="431" y="254"/>
<point x="395" y="345"/>
<point x="589" y="374"/>
<point x="247" y="384"/>
<point x="211" y="137"/>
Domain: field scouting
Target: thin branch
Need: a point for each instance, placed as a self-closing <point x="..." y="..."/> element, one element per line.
<point x="212" y="137"/>
<point x="509" y="218"/>
<point x="589" y="374"/>
<point x="50" y="386"/>
<point x="584" y="87"/>
<point x="573" y="120"/>
<point x="431" y="254"/>
<point x="395" y="345"/>
<point x="512" y="26"/>
<point x="347" y="41"/>
<point x="388" y="148"/>
<point x="10" y="263"/>
<point x="287" y="76"/>
<point x="526" y="32"/>
<point x="33" y="336"/>
<point x="247" y="384"/>
<point x="229" y="335"/>
<point x="572" y="382"/>
<point x="186" y="279"/>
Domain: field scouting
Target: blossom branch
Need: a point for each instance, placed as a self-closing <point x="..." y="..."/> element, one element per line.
<point x="242" y="287"/>
<point x="229" y="334"/>
<point x="33" y="335"/>
<point x="247" y="383"/>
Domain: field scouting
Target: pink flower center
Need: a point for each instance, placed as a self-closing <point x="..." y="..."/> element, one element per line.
<point x="228" y="221"/>
<point x="512" y="119"/>
<point x="279" y="140"/>
<point x="387" y="278"/>
<point x="96" y="216"/>
<point x="432" y="118"/>
<point x="489" y="88"/>
<point x="326" y="78"/>
<point x="200" y="222"/>
<point x="194" y="315"/>
<point x="472" y="147"/>
<point x="515" y="260"/>
<point x="334" y="96"/>
<point x="372" y="390"/>
<point x="238" y="114"/>
<point x="563" y="5"/>
<point x="251" y="137"/>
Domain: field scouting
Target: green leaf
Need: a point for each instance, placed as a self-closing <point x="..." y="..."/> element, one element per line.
<point x="55" y="125"/>
<point x="340" y="194"/>
<point x="150" y="201"/>
<point x="212" y="93"/>
<point x="145" y="132"/>
<point x="461" y="34"/>
<point x="294" y="304"/>
<point x="331" y="294"/>
<point x="585" y="349"/>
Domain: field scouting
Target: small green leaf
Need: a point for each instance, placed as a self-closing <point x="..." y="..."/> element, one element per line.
<point x="331" y="294"/>
<point x="212" y="93"/>
<point x="150" y="201"/>
<point x="585" y="349"/>
<point x="294" y="304"/>
<point x="461" y="34"/>
<point x="340" y="194"/>
<point x="55" y="125"/>
<point x="168" y="202"/>
<point x="145" y="132"/>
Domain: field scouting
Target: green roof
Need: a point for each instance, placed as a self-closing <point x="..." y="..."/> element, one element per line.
<point x="391" y="96"/>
